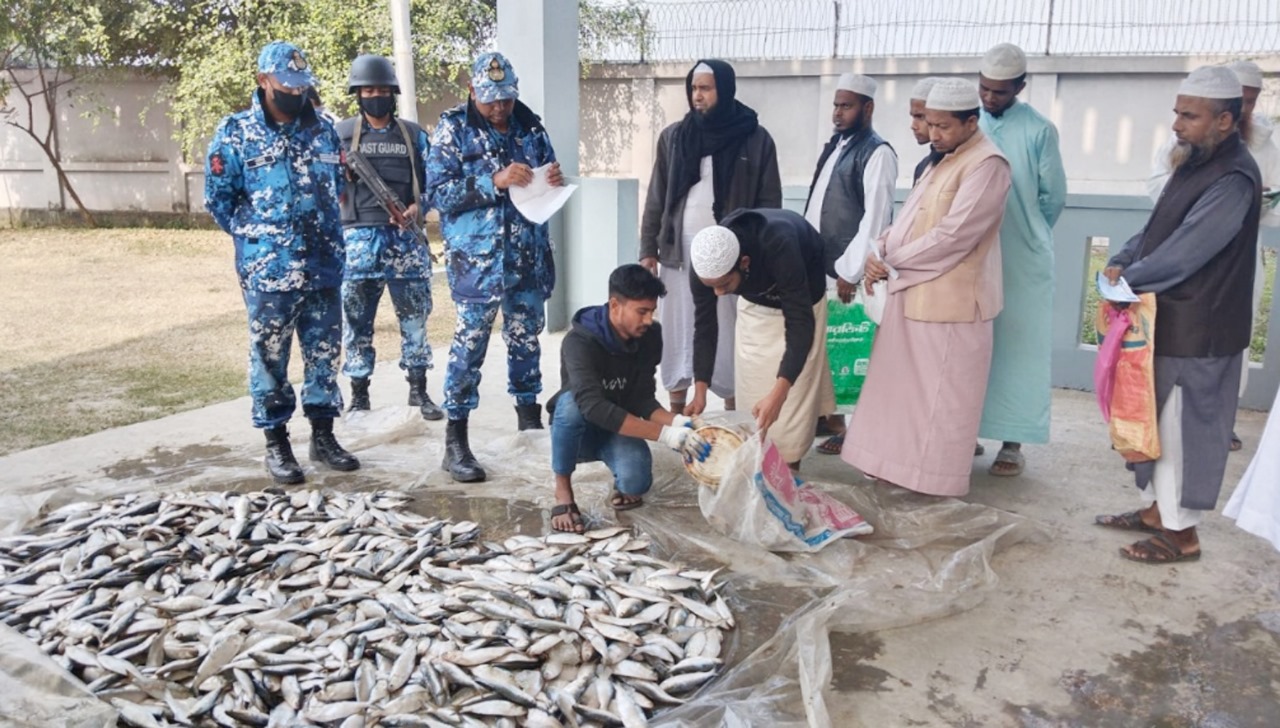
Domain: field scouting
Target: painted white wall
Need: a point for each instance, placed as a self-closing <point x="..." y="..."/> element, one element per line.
<point x="1111" y="114"/>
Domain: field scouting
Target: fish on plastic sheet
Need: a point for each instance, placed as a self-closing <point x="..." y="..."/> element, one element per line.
<point x="343" y="609"/>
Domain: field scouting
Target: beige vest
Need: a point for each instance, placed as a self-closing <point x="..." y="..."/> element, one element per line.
<point x="973" y="290"/>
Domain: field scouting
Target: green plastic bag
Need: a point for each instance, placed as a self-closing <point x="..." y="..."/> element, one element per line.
<point x="849" y="336"/>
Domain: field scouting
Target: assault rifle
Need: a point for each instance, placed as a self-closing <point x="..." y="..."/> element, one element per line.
<point x="360" y="166"/>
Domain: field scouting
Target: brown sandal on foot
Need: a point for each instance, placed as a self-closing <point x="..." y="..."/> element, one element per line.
<point x="575" y="516"/>
<point x="832" y="445"/>
<point x="620" y="502"/>
<point x="1131" y="521"/>
<point x="1159" y="549"/>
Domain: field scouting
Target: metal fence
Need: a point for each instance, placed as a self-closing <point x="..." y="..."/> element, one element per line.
<point x="672" y="30"/>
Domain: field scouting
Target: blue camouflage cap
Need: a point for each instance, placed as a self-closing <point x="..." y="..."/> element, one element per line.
<point x="285" y="62"/>
<point x="493" y="79"/>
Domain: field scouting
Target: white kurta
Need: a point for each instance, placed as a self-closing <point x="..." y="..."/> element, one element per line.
<point x="1255" y="504"/>
<point x="675" y="310"/>
<point x="879" y="180"/>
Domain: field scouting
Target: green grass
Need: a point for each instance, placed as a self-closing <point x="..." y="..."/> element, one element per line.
<point x="1258" y="346"/>
<point x="112" y="327"/>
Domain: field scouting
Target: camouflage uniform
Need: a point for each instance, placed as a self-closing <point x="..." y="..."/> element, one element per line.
<point x="385" y="257"/>
<point x="495" y="258"/>
<point x="274" y="188"/>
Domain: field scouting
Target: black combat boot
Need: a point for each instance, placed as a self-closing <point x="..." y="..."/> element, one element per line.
<point x="325" y="448"/>
<point x="458" y="460"/>
<point x="359" y="394"/>
<point x="529" y="416"/>
<point x="418" y="396"/>
<point x="281" y="463"/>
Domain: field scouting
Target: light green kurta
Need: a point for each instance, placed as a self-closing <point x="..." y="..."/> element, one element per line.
<point x="1017" y="403"/>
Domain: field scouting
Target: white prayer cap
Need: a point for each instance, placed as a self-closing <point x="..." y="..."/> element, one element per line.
<point x="1248" y="73"/>
<point x="1003" y="62"/>
<point x="920" y="91"/>
<point x="857" y="83"/>
<point x="714" y="251"/>
<point x="703" y="68"/>
<point x="953" y="94"/>
<point x="1211" y="82"/>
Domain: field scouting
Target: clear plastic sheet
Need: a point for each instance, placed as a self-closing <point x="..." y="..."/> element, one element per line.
<point x="37" y="693"/>
<point x="928" y="558"/>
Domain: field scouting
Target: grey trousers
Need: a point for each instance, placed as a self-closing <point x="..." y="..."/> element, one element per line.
<point x="1210" y="394"/>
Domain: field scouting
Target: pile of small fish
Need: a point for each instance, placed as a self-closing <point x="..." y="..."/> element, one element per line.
<point x="346" y="609"/>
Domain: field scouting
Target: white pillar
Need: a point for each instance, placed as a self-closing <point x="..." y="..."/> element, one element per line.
<point x="403" y="51"/>
<point x="540" y="38"/>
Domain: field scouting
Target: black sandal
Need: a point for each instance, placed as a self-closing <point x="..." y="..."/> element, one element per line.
<point x="570" y="509"/>
<point x="620" y="504"/>
<point x="1131" y="521"/>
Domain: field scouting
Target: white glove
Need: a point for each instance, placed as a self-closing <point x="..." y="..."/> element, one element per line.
<point x="694" y="422"/>
<point x="685" y="441"/>
<point x="675" y="436"/>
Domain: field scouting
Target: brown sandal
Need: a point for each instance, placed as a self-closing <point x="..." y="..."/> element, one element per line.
<point x="1131" y="521"/>
<point x="832" y="445"/>
<point x="620" y="503"/>
<point x="1159" y="549"/>
<point x="575" y="516"/>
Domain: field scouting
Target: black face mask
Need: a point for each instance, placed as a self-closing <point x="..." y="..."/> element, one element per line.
<point x="289" y="104"/>
<point x="377" y="107"/>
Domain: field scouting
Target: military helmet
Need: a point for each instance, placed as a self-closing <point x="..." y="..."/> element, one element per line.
<point x="371" y="70"/>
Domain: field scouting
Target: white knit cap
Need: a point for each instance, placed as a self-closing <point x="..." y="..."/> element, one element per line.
<point x="1211" y="82"/>
<point x="1248" y="73"/>
<point x="703" y="68"/>
<point x="953" y="94"/>
<point x="714" y="251"/>
<point x="1003" y="62"/>
<point x="920" y="91"/>
<point x="857" y="83"/>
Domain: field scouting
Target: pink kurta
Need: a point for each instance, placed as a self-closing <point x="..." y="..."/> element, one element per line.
<point x="917" y="418"/>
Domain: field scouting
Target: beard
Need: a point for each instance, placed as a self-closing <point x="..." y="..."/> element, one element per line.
<point x="1246" y="128"/>
<point x="1186" y="154"/>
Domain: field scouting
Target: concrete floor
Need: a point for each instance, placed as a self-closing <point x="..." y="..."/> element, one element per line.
<point x="1047" y="626"/>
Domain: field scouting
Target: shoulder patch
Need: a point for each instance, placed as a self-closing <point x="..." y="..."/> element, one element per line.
<point x="216" y="163"/>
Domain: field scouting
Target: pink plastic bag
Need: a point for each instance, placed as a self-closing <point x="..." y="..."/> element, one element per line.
<point x="1104" y="368"/>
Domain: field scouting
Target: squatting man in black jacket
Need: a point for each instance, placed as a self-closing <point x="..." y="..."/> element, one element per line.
<point x="606" y="409"/>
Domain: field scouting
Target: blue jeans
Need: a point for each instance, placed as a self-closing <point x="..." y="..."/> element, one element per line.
<point x="574" y="440"/>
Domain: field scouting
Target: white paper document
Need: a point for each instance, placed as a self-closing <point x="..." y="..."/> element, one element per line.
<point x="538" y="200"/>
<point x="1118" y="293"/>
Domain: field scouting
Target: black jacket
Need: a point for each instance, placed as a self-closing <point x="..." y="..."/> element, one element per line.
<point x="609" y="377"/>
<point x="755" y="183"/>
<point x="786" y="272"/>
